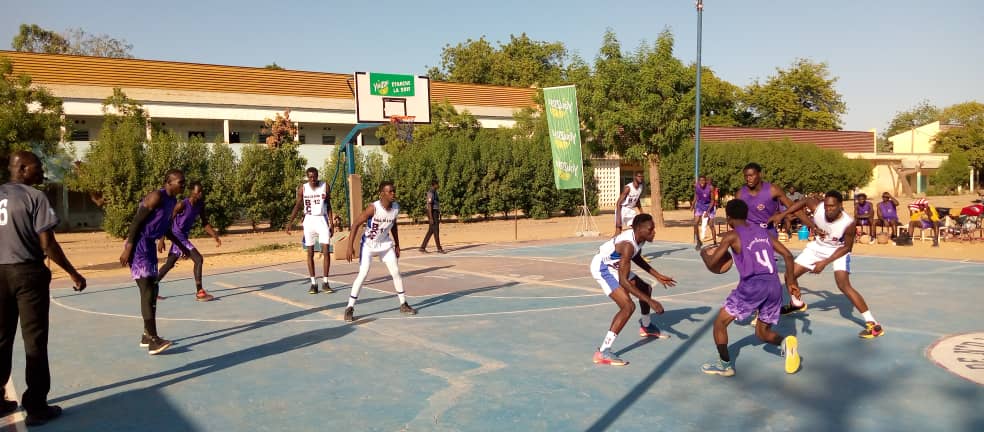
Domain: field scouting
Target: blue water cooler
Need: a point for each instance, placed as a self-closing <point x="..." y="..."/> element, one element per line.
<point x="803" y="233"/>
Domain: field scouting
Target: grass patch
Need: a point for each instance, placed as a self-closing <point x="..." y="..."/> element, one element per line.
<point x="268" y="247"/>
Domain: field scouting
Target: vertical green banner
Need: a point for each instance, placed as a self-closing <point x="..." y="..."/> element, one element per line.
<point x="565" y="136"/>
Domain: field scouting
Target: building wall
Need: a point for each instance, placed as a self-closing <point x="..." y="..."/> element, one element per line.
<point x="917" y="140"/>
<point x="606" y="173"/>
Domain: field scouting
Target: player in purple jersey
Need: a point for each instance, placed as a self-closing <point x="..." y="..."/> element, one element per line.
<point x="753" y="249"/>
<point x="186" y="212"/>
<point x="703" y="205"/>
<point x="763" y="200"/>
<point x="152" y="221"/>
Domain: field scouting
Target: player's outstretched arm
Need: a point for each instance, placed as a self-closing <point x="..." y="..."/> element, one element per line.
<point x="297" y="206"/>
<point x="787" y="256"/>
<point x="624" y="264"/>
<point x="366" y="214"/>
<point x="666" y="281"/>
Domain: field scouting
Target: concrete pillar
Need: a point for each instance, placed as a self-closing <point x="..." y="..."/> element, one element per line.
<point x="971" y="179"/>
<point x="297" y="132"/>
<point x="63" y="131"/>
<point x="919" y="182"/>
<point x="150" y="128"/>
<point x="225" y="131"/>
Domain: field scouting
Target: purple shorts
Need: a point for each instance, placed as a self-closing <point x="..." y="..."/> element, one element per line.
<point x="175" y="250"/>
<point x="864" y="222"/>
<point x="700" y="209"/>
<point x="144" y="261"/>
<point x="926" y="224"/>
<point x="762" y="293"/>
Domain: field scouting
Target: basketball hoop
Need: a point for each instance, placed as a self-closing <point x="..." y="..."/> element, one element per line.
<point x="404" y="127"/>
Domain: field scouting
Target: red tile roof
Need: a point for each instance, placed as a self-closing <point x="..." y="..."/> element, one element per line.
<point x="842" y="141"/>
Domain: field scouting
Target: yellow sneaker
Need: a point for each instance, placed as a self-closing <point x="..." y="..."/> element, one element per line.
<point x="790" y="350"/>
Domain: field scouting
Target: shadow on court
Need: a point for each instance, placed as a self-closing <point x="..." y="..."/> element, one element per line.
<point x="214" y="364"/>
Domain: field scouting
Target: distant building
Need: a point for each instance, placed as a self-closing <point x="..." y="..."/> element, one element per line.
<point x="228" y="103"/>
<point x="902" y="173"/>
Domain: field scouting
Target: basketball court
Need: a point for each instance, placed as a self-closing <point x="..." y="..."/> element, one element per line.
<point x="503" y="341"/>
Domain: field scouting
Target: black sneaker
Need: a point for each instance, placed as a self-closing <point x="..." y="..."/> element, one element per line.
<point x="313" y="290"/>
<point x="349" y="314"/>
<point x="406" y="309"/>
<point x="7" y="407"/>
<point x="144" y="340"/>
<point x="157" y="345"/>
<point x="789" y="309"/>
<point x="43" y="415"/>
<point x="441" y="251"/>
<point x="422" y="250"/>
<point x="327" y="289"/>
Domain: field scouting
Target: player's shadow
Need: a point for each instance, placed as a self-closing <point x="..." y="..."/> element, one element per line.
<point x="406" y="274"/>
<point x="659" y="253"/>
<point x="830" y="300"/>
<point x="665" y="322"/>
<point x="444" y="298"/>
<point x="218" y="363"/>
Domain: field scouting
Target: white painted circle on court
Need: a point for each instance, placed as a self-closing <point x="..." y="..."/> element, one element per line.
<point x="962" y="355"/>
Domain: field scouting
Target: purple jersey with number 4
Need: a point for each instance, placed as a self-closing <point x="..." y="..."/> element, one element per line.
<point x="759" y="288"/>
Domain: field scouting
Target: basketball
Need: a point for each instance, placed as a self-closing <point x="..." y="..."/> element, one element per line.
<point x="722" y="266"/>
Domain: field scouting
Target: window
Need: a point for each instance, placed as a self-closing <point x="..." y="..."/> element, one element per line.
<point x="233" y="137"/>
<point x="80" y="135"/>
<point x="328" y="139"/>
<point x="196" y="134"/>
<point x="302" y="139"/>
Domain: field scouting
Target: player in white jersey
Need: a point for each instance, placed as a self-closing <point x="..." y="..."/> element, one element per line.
<point x="611" y="269"/>
<point x="836" y="231"/>
<point x="315" y="197"/>
<point x="382" y="239"/>
<point x="628" y="202"/>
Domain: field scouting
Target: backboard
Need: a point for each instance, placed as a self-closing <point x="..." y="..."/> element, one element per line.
<point x="379" y="96"/>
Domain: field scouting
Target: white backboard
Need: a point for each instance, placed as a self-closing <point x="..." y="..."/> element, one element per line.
<point x="380" y="96"/>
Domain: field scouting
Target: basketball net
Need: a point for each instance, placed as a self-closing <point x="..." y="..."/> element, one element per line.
<point x="404" y="127"/>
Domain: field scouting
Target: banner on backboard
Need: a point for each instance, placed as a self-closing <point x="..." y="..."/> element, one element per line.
<point x="565" y="136"/>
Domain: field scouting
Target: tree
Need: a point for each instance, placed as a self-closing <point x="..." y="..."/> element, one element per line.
<point x="75" y="41"/>
<point x="914" y="117"/>
<point x="522" y="62"/>
<point x="32" y="38"/>
<point x="640" y="105"/>
<point x="952" y="173"/>
<point x="114" y="170"/>
<point x="965" y="132"/>
<point x="273" y="66"/>
<point x="801" y="97"/>
<point x="720" y="101"/>
<point x="103" y="45"/>
<point x="30" y="117"/>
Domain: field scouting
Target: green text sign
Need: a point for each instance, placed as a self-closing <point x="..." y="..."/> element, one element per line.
<point x="565" y="136"/>
<point x="394" y="85"/>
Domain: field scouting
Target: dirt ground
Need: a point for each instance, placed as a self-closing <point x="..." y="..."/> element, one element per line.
<point x="96" y="254"/>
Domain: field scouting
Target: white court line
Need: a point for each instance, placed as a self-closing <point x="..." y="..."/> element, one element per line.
<point x="14" y="420"/>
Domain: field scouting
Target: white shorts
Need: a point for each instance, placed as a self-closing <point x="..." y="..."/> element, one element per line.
<point x="814" y="253"/>
<point x="316" y="227"/>
<point x="385" y="251"/>
<point x="627" y="215"/>
<point x="606" y="276"/>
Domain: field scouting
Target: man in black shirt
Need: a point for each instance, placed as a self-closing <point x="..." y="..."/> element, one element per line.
<point x="433" y="211"/>
<point x="27" y="224"/>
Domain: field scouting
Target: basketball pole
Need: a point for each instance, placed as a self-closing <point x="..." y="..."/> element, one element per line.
<point x="700" y="12"/>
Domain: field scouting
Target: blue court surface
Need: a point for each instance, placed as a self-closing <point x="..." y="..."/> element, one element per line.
<point x="503" y="341"/>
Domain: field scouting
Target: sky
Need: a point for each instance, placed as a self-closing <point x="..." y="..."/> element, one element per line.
<point x="887" y="55"/>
